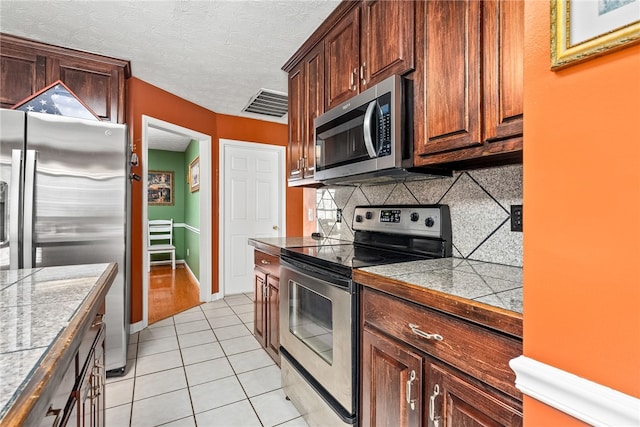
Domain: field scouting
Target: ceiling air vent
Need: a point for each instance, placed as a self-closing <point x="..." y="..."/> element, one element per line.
<point x="268" y="102"/>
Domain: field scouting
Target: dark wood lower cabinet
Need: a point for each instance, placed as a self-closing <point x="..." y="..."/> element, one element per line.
<point x="80" y="397"/>
<point x="273" y="317"/>
<point x="392" y="381"/>
<point x="454" y="401"/>
<point x="418" y="383"/>
<point x="266" y="284"/>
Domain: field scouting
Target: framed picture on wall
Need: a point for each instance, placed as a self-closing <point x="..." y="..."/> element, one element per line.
<point x="160" y="188"/>
<point x="194" y="174"/>
<point x="581" y="30"/>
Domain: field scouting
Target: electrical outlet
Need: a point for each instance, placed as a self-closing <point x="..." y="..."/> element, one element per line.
<point x="187" y="251"/>
<point x="516" y="218"/>
<point x="338" y="215"/>
<point x="310" y="215"/>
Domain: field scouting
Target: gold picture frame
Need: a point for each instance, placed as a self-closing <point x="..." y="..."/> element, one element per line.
<point x="582" y="30"/>
<point x="194" y="175"/>
<point x="160" y="188"/>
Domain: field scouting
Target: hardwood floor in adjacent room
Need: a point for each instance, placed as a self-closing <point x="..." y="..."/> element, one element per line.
<point x="170" y="292"/>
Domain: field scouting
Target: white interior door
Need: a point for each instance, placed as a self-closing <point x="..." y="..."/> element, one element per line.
<point x="252" y="177"/>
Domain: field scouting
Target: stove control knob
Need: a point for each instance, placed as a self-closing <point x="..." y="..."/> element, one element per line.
<point x="358" y="218"/>
<point x="368" y="215"/>
<point x="415" y="216"/>
<point x="429" y="222"/>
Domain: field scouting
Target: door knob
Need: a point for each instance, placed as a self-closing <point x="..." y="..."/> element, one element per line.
<point x="275" y="227"/>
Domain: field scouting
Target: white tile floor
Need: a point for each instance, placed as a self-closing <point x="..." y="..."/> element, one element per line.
<point x="202" y="367"/>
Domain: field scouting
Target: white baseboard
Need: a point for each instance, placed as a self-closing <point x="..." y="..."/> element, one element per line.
<point x="585" y="400"/>
<point x="193" y="276"/>
<point x="137" y="327"/>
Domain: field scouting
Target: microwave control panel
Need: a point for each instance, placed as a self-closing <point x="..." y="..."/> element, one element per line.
<point x="384" y="125"/>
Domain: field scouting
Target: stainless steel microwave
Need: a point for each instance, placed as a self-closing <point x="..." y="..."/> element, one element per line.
<point x="362" y="135"/>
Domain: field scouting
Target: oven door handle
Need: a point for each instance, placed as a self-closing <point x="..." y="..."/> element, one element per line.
<point x="318" y="273"/>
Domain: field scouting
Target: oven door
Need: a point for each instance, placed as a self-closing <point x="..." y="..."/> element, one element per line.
<point x="317" y="329"/>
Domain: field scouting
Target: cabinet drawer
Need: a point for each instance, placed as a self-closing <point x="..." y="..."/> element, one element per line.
<point x="268" y="263"/>
<point x="475" y="350"/>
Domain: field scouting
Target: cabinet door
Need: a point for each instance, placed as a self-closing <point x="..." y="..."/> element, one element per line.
<point x="273" y="317"/>
<point x="503" y="34"/>
<point x="392" y="381"/>
<point x="23" y="73"/>
<point x="342" y="59"/>
<point x="387" y="40"/>
<point x="97" y="85"/>
<point x="296" y="121"/>
<point x="259" y="306"/>
<point x="314" y="104"/>
<point x="449" y="102"/>
<point x="452" y="401"/>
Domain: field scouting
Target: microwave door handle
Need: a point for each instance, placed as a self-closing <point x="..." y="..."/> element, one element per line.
<point x="368" y="142"/>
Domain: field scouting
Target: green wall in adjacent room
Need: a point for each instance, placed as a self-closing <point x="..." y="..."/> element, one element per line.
<point x="186" y="205"/>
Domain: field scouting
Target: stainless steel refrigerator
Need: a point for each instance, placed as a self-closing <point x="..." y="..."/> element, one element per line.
<point x="64" y="200"/>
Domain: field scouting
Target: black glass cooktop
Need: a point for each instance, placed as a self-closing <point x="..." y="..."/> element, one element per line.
<point x="344" y="257"/>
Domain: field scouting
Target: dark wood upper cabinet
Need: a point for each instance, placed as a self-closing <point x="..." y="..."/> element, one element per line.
<point x="306" y="102"/>
<point x="503" y="67"/>
<point x="297" y="119"/>
<point x="463" y="63"/>
<point x="372" y="42"/>
<point x="387" y="40"/>
<point x="29" y="66"/>
<point x="23" y="73"/>
<point x="342" y="59"/>
<point x="452" y="78"/>
<point x="469" y="100"/>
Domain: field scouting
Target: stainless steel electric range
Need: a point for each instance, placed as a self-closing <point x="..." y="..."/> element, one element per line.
<point x="319" y="314"/>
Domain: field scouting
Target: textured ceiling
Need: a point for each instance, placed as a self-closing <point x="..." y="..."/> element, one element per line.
<point x="216" y="54"/>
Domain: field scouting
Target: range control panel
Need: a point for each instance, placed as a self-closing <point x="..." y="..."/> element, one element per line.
<point x="413" y="220"/>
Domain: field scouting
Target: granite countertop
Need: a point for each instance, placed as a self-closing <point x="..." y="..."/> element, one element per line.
<point x="36" y="306"/>
<point x="295" y="242"/>
<point x="486" y="293"/>
<point x="483" y="292"/>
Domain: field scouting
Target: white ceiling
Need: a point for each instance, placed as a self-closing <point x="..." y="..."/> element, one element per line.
<point x="217" y="54"/>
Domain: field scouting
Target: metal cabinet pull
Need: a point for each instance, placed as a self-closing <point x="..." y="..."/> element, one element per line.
<point x="410" y="401"/>
<point x="264" y="261"/>
<point x="354" y="78"/>
<point x="432" y="406"/>
<point x="416" y="330"/>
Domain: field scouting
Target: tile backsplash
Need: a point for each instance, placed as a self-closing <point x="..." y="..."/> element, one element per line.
<point x="479" y="201"/>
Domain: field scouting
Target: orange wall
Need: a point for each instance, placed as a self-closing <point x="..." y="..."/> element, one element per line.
<point x="582" y="228"/>
<point x="143" y="98"/>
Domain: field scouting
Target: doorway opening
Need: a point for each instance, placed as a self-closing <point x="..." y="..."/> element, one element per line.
<point x="192" y="229"/>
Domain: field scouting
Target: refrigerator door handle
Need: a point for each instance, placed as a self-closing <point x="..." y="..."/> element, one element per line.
<point x="14" y="211"/>
<point x="29" y="194"/>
